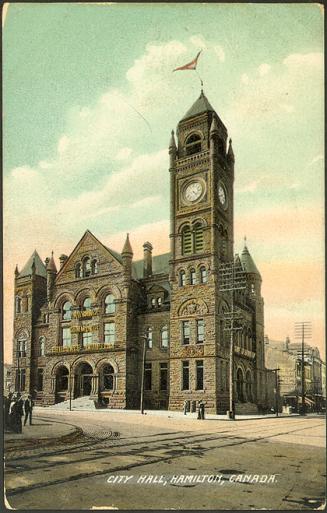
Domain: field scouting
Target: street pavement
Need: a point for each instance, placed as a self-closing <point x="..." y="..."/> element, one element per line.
<point x="164" y="460"/>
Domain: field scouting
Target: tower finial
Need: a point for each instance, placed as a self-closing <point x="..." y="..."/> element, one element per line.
<point x="245" y="241"/>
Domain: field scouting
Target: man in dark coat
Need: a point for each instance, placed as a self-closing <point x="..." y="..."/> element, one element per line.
<point x="28" y="407"/>
<point x="16" y="414"/>
<point x="7" y="402"/>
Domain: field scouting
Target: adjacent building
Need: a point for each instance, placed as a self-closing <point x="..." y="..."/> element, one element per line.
<point x="287" y="357"/>
<point x="81" y="330"/>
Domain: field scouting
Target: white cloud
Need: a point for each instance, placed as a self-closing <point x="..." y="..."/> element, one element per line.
<point x="202" y="44"/>
<point x="24" y="173"/>
<point x="315" y="59"/>
<point x="263" y="69"/>
<point x="245" y="78"/>
<point x="63" y="144"/>
<point x="250" y="187"/>
<point x="123" y="153"/>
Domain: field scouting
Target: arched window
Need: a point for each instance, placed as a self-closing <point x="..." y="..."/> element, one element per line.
<point x="67" y="311"/>
<point x="94" y="267"/>
<point x="203" y="275"/>
<point x="87" y="303"/>
<point x="186" y="241"/>
<point x="149" y="338"/>
<point x="164" y="337"/>
<point x="41" y="346"/>
<point x="87" y="267"/>
<point x="159" y="301"/>
<point x="21" y="346"/>
<point x="198" y="237"/>
<point x="182" y="278"/>
<point x="18" y="304"/>
<point x="153" y="302"/>
<point x="78" y="271"/>
<point x="109" y="304"/>
<point x="108" y="377"/>
<point x="192" y="277"/>
<point x="193" y="144"/>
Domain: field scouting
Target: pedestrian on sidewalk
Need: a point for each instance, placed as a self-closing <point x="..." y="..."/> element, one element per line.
<point x="7" y="403"/>
<point x="202" y="409"/>
<point x="185" y="407"/>
<point x="28" y="407"/>
<point x="17" y="411"/>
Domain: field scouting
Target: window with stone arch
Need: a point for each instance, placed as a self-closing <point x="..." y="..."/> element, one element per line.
<point x="193" y="144"/>
<point x="192" y="277"/>
<point x="94" y="266"/>
<point x="67" y="311"/>
<point x="18" y="305"/>
<point x="78" y="271"/>
<point x="87" y="267"/>
<point x="87" y="303"/>
<point x="198" y="239"/>
<point x="108" y="376"/>
<point x="187" y="246"/>
<point x="21" y="346"/>
<point x="164" y="337"/>
<point x="149" y="336"/>
<point x="182" y="278"/>
<point x="42" y="346"/>
<point x="109" y="304"/>
<point x="203" y="274"/>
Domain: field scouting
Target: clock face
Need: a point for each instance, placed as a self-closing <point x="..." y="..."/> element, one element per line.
<point x="193" y="191"/>
<point x="222" y="195"/>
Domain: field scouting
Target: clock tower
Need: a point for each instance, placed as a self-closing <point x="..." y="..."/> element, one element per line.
<point x="201" y="235"/>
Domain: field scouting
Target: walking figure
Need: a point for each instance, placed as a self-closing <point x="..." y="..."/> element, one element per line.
<point x="185" y="407"/>
<point x="28" y="407"/>
<point x="16" y="413"/>
<point x="201" y="410"/>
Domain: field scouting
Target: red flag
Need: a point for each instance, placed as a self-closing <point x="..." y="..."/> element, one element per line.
<point x="189" y="65"/>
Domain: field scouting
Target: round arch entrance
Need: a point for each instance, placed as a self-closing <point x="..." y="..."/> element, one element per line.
<point x="61" y="387"/>
<point x="83" y="379"/>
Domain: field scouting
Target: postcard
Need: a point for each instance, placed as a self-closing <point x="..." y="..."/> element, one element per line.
<point x="163" y="230"/>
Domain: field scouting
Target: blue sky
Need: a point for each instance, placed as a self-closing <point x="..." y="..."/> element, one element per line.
<point x="78" y="81"/>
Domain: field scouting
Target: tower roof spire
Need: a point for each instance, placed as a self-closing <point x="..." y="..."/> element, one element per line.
<point x="127" y="249"/>
<point x="51" y="264"/>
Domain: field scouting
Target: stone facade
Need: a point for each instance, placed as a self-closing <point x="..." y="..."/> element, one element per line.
<point x="87" y="328"/>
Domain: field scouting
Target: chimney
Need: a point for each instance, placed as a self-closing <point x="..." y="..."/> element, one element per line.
<point x="147" y="267"/>
<point x="62" y="260"/>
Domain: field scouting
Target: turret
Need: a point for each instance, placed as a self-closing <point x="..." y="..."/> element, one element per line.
<point x="127" y="256"/>
<point x="51" y="277"/>
<point x="213" y="136"/>
<point x="16" y="272"/>
<point x="230" y="155"/>
<point x="147" y="267"/>
<point x="172" y="149"/>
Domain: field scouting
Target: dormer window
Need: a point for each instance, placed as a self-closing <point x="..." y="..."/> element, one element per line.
<point x="159" y="301"/>
<point x="153" y="302"/>
<point x="193" y="144"/>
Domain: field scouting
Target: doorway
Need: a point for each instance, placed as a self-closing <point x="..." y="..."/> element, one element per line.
<point x="83" y="380"/>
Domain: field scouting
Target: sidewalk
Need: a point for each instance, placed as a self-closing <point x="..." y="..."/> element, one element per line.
<point x="163" y="413"/>
<point x="41" y="429"/>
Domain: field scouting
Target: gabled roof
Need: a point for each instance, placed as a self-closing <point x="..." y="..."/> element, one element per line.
<point x="40" y="269"/>
<point x="200" y="106"/>
<point x="160" y="264"/>
<point x="248" y="262"/>
<point x="113" y="253"/>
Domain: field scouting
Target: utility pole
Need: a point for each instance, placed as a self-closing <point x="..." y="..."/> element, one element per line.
<point x="70" y="387"/>
<point x="277" y="390"/>
<point x="145" y="341"/>
<point x="303" y="330"/>
<point x="232" y="278"/>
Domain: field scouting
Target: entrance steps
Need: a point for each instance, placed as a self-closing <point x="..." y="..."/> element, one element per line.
<point x="81" y="403"/>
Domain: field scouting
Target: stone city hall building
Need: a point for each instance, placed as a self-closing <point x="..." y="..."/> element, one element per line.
<point x="79" y="331"/>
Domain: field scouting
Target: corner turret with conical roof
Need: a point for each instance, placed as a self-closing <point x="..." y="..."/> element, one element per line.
<point x="127" y="257"/>
<point x="51" y="277"/>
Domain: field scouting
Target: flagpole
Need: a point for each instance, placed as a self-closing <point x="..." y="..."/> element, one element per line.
<point x="199" y="78"/>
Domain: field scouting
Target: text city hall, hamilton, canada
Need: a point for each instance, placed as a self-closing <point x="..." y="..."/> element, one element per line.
<point x="79" y="330"/>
